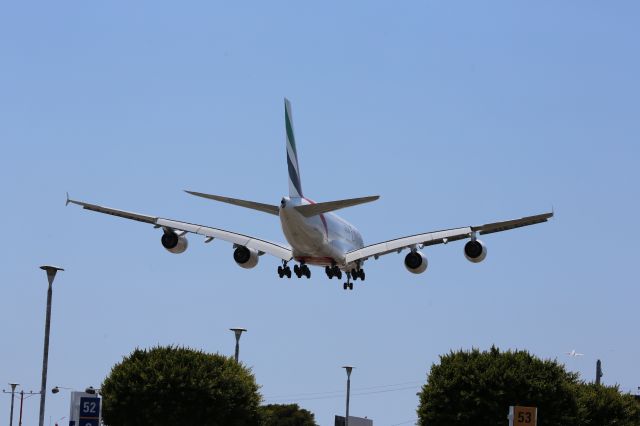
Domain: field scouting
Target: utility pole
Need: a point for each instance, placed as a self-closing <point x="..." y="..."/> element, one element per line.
<point x="21" y="402"/>
<point x="22" y="394"/>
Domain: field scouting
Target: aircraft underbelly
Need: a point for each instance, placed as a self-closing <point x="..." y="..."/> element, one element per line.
<point x="308" y="239"/>
<point x="313" y="240"/>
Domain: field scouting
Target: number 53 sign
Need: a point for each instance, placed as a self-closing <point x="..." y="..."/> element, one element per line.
<point x="523" y="416"/>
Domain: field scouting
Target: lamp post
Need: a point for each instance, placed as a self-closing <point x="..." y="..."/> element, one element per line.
<point x="51" y="274"/>
<point x="92" y="391"/>
<point x="238" y="332"/>
<point x="348" y="369"/>
<point x="57" y="389"/>
<point x="13" y="392"/>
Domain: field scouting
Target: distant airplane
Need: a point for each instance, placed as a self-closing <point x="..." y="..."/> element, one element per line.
<point x="316" y="235"/>
<point x="574" y="353"/>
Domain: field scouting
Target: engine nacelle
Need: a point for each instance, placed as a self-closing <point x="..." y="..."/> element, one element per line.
<point x="245" y="257"/>
<point x="475" y="251"/>
<point x="416" y="262"/>
<point x="174" y="243"/>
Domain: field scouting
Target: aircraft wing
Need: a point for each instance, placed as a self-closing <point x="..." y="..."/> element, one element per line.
<point x="278" y="250"/>
<point x="440" y="237"/>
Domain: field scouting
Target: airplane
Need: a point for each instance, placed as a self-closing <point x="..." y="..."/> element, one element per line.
<point x="573" y="353"/>
<point x="316" y="235"/>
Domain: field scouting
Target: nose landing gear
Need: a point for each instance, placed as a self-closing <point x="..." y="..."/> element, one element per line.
<point x="348" y="285"/>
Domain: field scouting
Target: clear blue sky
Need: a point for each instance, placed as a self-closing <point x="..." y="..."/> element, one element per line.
<point x="456" y="113"/>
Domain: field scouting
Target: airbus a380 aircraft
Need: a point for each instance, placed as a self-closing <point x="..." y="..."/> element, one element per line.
<point x="317" y="236"/>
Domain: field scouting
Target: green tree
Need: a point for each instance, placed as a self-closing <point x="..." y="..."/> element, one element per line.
<point x="473" y="387"/>
<point x="286" y="415"/>
<point x="169" y="386"/>
<point x="605" y="405"/>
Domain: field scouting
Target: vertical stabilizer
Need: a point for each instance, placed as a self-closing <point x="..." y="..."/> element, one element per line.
<point x="295" y="185"/>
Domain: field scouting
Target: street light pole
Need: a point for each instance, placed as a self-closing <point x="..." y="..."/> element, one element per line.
<point x="51" y="274"/>
<point x="13" y="392"/>
<point x="238" y="332"/>
<point x="348" y="368"/>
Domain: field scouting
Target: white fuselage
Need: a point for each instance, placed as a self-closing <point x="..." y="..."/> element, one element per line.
<point x="322" y="239"/>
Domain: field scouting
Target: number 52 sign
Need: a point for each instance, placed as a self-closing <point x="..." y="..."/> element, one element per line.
<point x="523" y="416"/>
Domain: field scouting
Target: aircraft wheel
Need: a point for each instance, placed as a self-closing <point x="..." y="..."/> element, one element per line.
<point x="345" y="286"/>
<point x="328" y="271"/>
<point x="339" y="274"/>
<point x="350" y="286"/>
<point x="362" y="276"/>
<point x="304" y="270"/>
<point x="288" y="272"/>
<point x="354" y="274"/>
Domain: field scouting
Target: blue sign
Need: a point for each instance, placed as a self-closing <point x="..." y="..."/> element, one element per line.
<point x="89" y="411"/>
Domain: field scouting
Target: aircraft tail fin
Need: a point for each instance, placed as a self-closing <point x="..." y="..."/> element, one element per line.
<point x="309" y="210"/>
<point x="295" y="185"/>
<point x="266" y="208"/>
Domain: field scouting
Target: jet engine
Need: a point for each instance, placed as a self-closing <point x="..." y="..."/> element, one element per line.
<point x="416" y="262"/>
<point x="245" y="257"/>
<point x="174" y="243"/>
<point x="475" y="251"/>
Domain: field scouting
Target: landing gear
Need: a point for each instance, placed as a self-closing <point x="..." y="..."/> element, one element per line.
<point x="358" y="273"/>
<point x="302" y="270"/>
<point x="284" y="270"/>
<point x="333" y="271"/>
<point x="348" y="285"/>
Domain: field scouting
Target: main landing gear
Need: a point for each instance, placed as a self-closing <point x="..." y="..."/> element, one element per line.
<point x="302" y="270"/>
<point x="284" y="270"/>
<point x="358" y="273"/>
<point x="333" y="271"/>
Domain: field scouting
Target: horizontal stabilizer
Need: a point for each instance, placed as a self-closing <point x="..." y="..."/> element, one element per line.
<point x="266" y="208"/>
<point x="329" y="206"/>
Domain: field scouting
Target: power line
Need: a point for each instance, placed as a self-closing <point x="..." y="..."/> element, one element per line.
<point x="341" y="391"/>
<point x="341" y="395"/>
